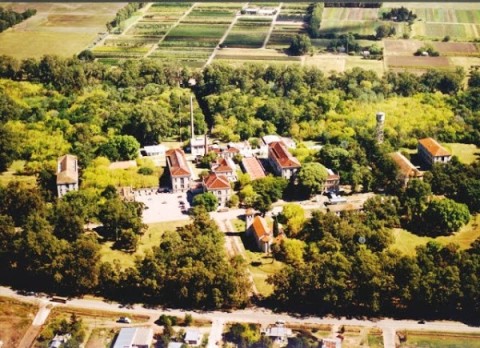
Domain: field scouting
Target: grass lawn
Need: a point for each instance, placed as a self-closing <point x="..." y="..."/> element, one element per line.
<point x="406" y="242"/>
<point x="261" y="266"/>
<point x="441" y="340"/>
<point x="11" y="175"/>
<point x="466" y="153"/>
<point x="15" y="318"/>
<point x="101" y="337"/>
<point x="150" y="238"/>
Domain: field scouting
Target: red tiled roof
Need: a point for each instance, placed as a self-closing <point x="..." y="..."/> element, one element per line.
<point x="177" y="163"/>
<point x="232" y="150"/>
<point x="67" y="170"/>
<point x="260" y="228"/>
<point x="253" y="167"/>
<point x="282" y="156"/>
<point x="216" y="182"/>
<point x="433" y="147"/>
<point x="405" y="167"/>
<point x="222" y="166"/>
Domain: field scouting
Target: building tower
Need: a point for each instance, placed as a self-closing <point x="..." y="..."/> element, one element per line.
<point x="249" y="215"/>
<point x="380" y="126"/>
<point x="192" y="129"/>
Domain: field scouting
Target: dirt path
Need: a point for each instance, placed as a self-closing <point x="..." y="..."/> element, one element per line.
<point x="154" y="47"/>
<point x="214" y="53"/>
<point x="215" y="333"/>
<point x="37" y="324"/>
<point x="274" y="20"/>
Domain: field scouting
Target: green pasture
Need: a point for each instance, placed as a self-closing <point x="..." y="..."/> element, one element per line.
<point x="466" y="153"/>
<point x="440" y="30"/>
<point x="406" y="242"/>
<point x="248" y="34"/>
<point x="196" y="32"/>
<point x="349" y="13"/>
<point x="427" y="339"/>
<point x="447" y="15"/>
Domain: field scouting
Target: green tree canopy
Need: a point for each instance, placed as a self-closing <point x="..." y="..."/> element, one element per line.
<point x="445" y="216"/>
<point x="207" y="200"/>
<point x="311" y="177"/>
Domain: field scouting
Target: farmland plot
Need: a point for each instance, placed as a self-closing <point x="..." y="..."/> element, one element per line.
<point x="350" y="14"/>
<point x="293" y="12"/>
<point x="282" y="34"/>
<point x="248" y="33"/>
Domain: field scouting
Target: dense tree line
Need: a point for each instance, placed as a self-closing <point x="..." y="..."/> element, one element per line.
<point x="314" y="19"/>
<point x="124" y="13"/>
<point x="47" y="248"/>
<point x="8" y="17"/>
<point x="346" y="267"/>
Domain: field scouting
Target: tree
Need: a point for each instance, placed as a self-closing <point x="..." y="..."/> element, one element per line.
<point x="382" y="211"/>
<point x="384" y="30"/>
<point x="86" y="55"/>
<point x="290" y="251"/>
<point x="293" y="217"/>
<point x="445" y="216"/>
<point x="415" y="199"/>
<point x="120" y="148"/>
<point x="207" y="200"/>
<point x="300" y="45"/>
<point x="311" y="177"/>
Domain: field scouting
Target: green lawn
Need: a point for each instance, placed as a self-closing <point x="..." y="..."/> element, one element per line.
<point x="12" y="175"/>
<point x="406" y="242"/>
<point x="441" y="340"/>
<point x="466" y="153"/>
<point x="150" y="238"/>
<point x="261" y="266"/>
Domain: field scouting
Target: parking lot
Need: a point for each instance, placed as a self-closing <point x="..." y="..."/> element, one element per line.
<point x="162" y="207"/>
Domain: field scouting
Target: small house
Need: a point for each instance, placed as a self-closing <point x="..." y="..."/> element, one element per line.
<point x="225" y="166"/>
<point x="59" y="340"/>
<point x="180" y="174"/>
<point x="406" y="170"/>
<point x="279" y="334"/>
<point x="332" y="183"/>
<point x="193" y="337"/>
<point x="134" y="337"/>
<point x="284" y="164"/>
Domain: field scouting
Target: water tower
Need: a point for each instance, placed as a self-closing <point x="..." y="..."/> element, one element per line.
<point x="380" y="126"/>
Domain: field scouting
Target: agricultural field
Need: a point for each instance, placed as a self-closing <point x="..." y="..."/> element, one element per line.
<point x="244" y="55"/>
<point x="248" y="33"/>
<point x="427" y="339"/>
<point x="63" y="29"/>
<point x="293" y="12"/>
<point x="418" y="63"/>
<point x="15" y="318"/>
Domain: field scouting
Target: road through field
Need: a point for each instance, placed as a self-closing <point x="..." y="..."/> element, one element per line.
<point x="154" y="47"/>
<point x="210" y="59"/>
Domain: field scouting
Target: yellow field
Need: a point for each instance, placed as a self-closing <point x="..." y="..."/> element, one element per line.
<point x="58" y="28"/>
<point x="327" y="62"/>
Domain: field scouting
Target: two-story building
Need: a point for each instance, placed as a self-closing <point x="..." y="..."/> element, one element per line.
<point x="67" y="174"/>
<point x="284" y="164"/>
<point x="180" y="174"/>
<point x="406" y="170"/>
<point x="219" y="185"/>
<point x="431" y="152"/>
<point x="332" y="183"/>
<point x="225" y="166"/>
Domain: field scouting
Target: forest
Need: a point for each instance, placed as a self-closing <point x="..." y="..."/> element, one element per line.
<point x="52" y="106"/>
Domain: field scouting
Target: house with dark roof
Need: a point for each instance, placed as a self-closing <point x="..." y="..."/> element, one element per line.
<point x="225" y="166"/>
<point x="431" y="152"/>
<point x="219" y="185"/>
<point x="284" y="164"/>
<point x="257" y="227"/>
<point x="180" y="174"/>
<point x="406" y="170"/>
<point x="253" y="167"/>
<point x="67" y="174"/>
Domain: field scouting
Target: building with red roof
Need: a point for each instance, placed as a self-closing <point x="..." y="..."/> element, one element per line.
<point x="219" y="185"/>
<point x="406" y="170"/>
<point x="261" y="232"/>
<point x="253" y="167"/>
<point x="431" y="152"/>
<point x="284" y="164"/>
<point x="180" y="174"/>
<point x="225" y="166"/>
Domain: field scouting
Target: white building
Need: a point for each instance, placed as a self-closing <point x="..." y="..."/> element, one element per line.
<point x="154" y="150"/>
<point x="67" y="174"/>
<point x="431" y="152"/>
<point x="134" y="337"/>
<point x="193" y="337"/>
<point x="219" y="185"/>
<point x="180" y="174"/>
<point x="198" y="146"/>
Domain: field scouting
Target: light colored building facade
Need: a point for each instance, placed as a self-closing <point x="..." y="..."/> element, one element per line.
<point x="180" y="174"/>
<point x="225" y="166"/>
<point x="431" y="152"/>
<point x="67" y="174"/>
<point x="219" y="185"/>
<point x="406" y="170"/>
<point x="198" y="146"/>
<point x="284" y="164"/>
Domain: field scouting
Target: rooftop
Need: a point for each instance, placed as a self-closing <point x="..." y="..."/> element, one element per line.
<point x="67" y="170"/>
<point x="433" y="147"/>
<point x="222" y="166"/>
<point x="177" y="163"/>
<point x="253" y="167"/>
<point x="192" y="335"/>
<point x="130" y="336"/>
<point x="260" y="228"/>
<point x="216" y="182"/>
<point x="405" y="167"/>
<point x="282" y="156"/>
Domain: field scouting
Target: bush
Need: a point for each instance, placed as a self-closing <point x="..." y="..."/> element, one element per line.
<point x="145" y="171"/>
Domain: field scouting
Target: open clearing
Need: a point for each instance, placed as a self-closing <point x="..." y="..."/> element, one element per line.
<point x="427" y="339"/>
<point x="63" y="29"/>
<point x="406" y="242"/>
<point x="15" y="318"/>
<point x="466" y="153"/>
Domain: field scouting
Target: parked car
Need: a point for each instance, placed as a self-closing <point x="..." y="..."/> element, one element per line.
<point x="125" y="320"/>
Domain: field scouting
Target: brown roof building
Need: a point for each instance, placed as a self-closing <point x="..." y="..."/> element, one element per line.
<point x="431" y="152"/>
<point x="219" y="185"/>
<point x="67" y="174"/>
<point x="406" y="170"/>
<point x="283" y="162"/>
<point x="179" y="170"/>
<point x="262" y="233"/>
<point x="253" y="167"/>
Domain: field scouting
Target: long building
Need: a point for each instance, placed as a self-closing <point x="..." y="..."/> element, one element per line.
<point x="406" y="170"/>
<point x="431" y="152"/>
<point x="284" y="164"/>
<point x="180" y="174"/>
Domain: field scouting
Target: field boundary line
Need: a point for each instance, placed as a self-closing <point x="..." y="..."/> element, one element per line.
<point x="155" y="46"/>
<point x="215" y="50"/>
<point x="272" y="25"/>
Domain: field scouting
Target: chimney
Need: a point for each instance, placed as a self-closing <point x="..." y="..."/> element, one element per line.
<point x="192" y="129"/>
<point x="205" y="144"/>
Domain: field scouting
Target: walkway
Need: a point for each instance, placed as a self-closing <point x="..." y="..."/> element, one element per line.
<point x="34" y="330"/>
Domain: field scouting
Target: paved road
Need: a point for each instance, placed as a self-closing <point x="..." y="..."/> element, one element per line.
<point x="262" y="316"/>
